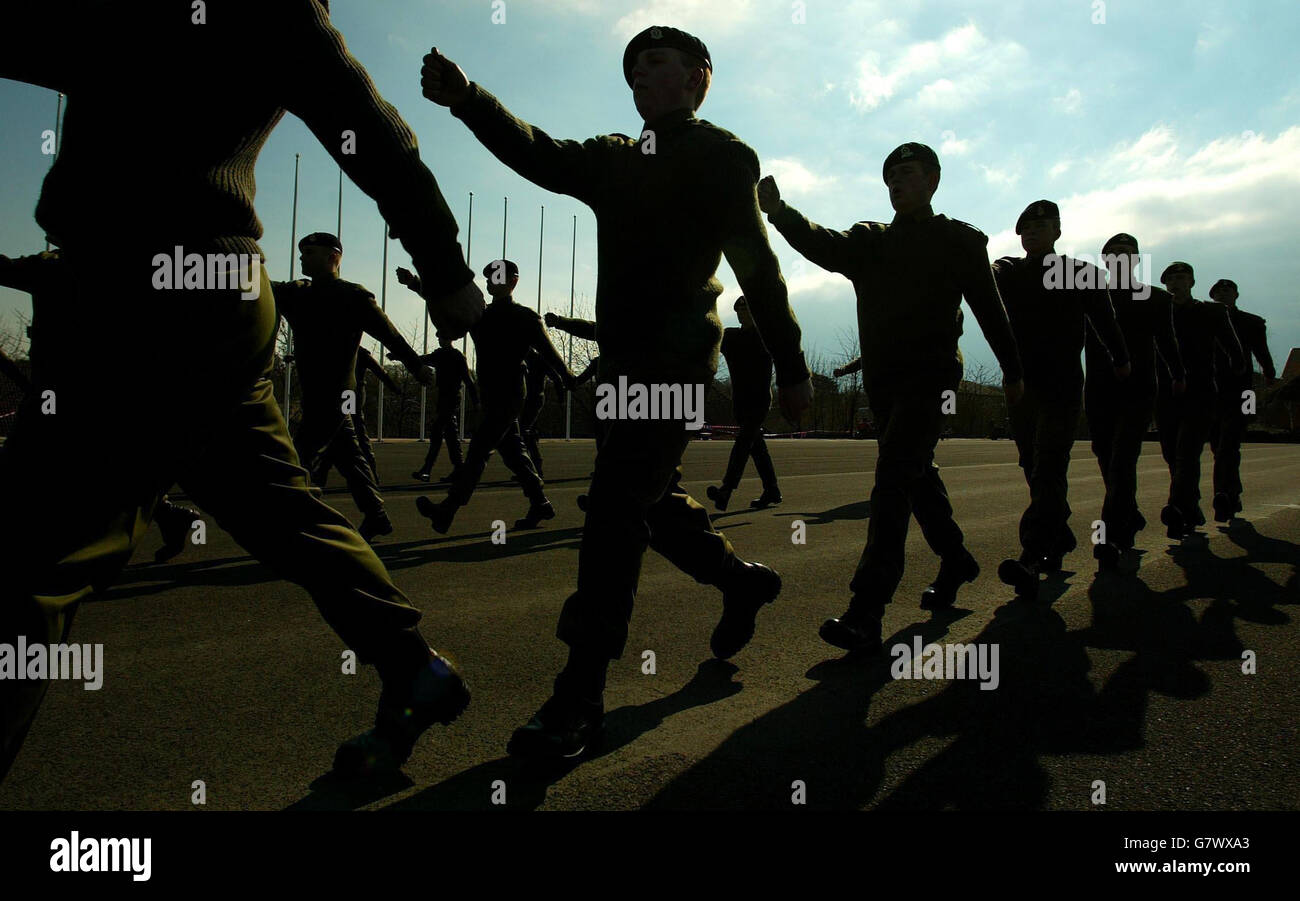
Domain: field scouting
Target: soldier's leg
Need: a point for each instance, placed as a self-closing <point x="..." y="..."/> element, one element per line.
<point x="62" y="541"/>
<point x="933" y="511"/>
<point x="243" y="471"/>
<point x="763" y="464"/>
<point x="519" y="462"/>
<point x="1168" y="421"/>
<point x="348" y="457"/>
<point x="499" y="415"/>
<point x="1103" y="420"/>
<point x="746" y="432"/>
<point x="451" y="432"/>
<point x="1049" y="507"/>
<point x="1225" y="441"/>
<point x="909" y="425"/>
<point x="1194" y="431"/>
<point x="683" y="533"/>
<point x="363" y="442"/>
<point x="1120" y="512"/>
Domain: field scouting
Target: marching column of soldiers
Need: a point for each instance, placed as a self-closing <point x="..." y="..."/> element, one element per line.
<point x="670" y="205"/>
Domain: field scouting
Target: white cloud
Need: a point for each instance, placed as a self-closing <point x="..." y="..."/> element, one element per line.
<point x="970" y="63"/>
<point x="1245" y="190"/>
<point x="702" y="17"/>
<point x="795" y="179"/>
<point x="953" y="145"/>
<point x="1060" y="169"/>
<point x="1003" y="177"/>
<point x="1070" y="103"/>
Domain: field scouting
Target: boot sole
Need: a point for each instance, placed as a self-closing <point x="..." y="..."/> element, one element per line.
<point x="1019" y="577"/>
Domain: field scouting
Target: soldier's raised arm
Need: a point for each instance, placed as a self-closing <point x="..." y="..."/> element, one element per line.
<point x="375" y="322"/>
<point x="550" y="357"/>
<point x="832" y="250"/>
<point x="332" y="93"/>
<point x="750" y="256"/>
<point x="981" y="293"/>
<point x="563" y="166"/>
<point x="578" y="328"/>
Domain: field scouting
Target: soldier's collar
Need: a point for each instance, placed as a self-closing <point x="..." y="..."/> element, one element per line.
<point x="669" y="121"/>
<point x="923" y="215"/>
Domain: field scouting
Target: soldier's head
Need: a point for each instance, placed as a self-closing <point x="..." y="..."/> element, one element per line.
<point x="320" y="253"/>
<point x="1039" y="227"/>
<point x="443" y="340"/>
<point x="911" y="173"/>
<point x="1178" y="279"/>
<point x="502" y="277"/>
<point x="1225" y="292"/>
<point x="741" y="306"/>
<point x="1120" y="253"/>
<point x="667" y="69"/>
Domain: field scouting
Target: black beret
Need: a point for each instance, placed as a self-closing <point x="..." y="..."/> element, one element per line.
<point x="740" y="302"/>
<point x="1121" y="238"/>
<point x="663" y="36"/>
<point x="1174" y="268"/>
<point x="1039" y="209"/>
<point x="910" y="153"/>
<point x="1221" y="284"/>
<point x="511" y="269"/>
<point x="321" y="239"/>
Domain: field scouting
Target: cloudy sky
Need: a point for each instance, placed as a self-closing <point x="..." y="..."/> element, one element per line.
<point x="1178" y="122"/>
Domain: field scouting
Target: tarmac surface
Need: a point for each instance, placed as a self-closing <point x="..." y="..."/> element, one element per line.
<point x="215" y="670"/>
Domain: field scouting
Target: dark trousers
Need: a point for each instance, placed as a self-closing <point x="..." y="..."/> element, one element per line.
<point x="341" y="450"/>
<point x="209" y="421"/>
<point x="1184" y="424"/>
<point x="1118" y="423"/>
<point x="908" y="421"/>
<point x="749" y="441"/>
<point x="1043" y="428"/>
<point x="528" y="425"/>
<point x="445" y="428"/>
<point x="363" y="438"/>
<point x="498" y="429"/>
<point x="1225" y="440"/>
<point x="636" y="501"/>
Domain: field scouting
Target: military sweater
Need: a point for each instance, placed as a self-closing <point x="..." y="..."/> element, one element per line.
<point x="750" y="366"/>
<point x="1148" y="326"/>
<point x="1200" y="328"/>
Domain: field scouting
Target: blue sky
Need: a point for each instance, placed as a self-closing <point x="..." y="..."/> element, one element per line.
<point x="1176" y="122"/>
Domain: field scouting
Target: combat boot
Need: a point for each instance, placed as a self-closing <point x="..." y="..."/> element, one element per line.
<point x="375" y="524"/>
<point x="439" y="515"/>
<point x="565" y="727"/>
<point x="769" y="498"/>
<point x="1022" y="574"/>
<point x="1224" y="506"/>
<point x="954" y="570"/>
<point x="745" y="589"/>
<point x="535" y="515"/>
<point x="437" y="694"/>
<point x="720" y="496"/>
<point x="858" y="629"/>
<point x="1175" y="523"/>
<point x="175" y="523"/>
<point x="420" y="475"/>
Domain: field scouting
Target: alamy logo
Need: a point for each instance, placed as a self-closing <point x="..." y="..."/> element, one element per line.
<point x="182" y="271"/>
<point x="56" y="661"/>
<point x="949" y="661"/>
<point x="103" y="855"/>
<point x="1086" y="272"/>
<point x="637" y="401"/>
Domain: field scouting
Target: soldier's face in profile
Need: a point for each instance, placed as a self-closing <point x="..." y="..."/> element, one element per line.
<point x="1121" y="255"/>
<point x="498" y="288"/>
<point x="1226" y="295"/>
<point x="318" y="261"/>
<point x="743" y="314"/>
<point x="1180" y="284"/>
<point x="910" y="186"/>
<point x="661" y="83"/>
<point x="1038" y="235"/>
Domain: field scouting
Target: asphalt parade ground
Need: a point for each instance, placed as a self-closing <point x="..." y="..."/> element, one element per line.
<point x="1175" y="686"/>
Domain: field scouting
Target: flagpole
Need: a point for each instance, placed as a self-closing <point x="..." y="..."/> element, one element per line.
<point x="293" y="262"/>
<point x="464" y="342"/>
<point x="58" y="140"/>
<point x="568" y="395"/>
<point x="383" y="305"/>
<point x="505" y="222"/>
<point x="541" y="237"/>
<point x="338" y="232"/>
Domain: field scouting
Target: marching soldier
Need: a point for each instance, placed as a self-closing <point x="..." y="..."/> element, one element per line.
<point x="1119" y="411"/>
<point x="211" y="421"/>
<point x="328" y="315"/>
<point x="536" y="372"/>
<point x="909" y="275"/>
<point x="450" y="372"/>
<point x="366" y="364"/>
<point x="1050" y="300"/>
<point x="1185" y="420"/>
<point x="750" y="366"/>
<point x="668" y="205"/>
<point x="1231" y="420"/>
<point x="502" y="340"/>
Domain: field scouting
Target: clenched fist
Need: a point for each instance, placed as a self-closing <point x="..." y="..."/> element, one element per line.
<point x="442" y="81"/>
<point x="769" y="195"/>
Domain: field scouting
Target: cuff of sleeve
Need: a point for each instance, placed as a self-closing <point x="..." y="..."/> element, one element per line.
<point x="466" y="107"/>
<point x="442" y="272"/>
<point x="791" y="371"/>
